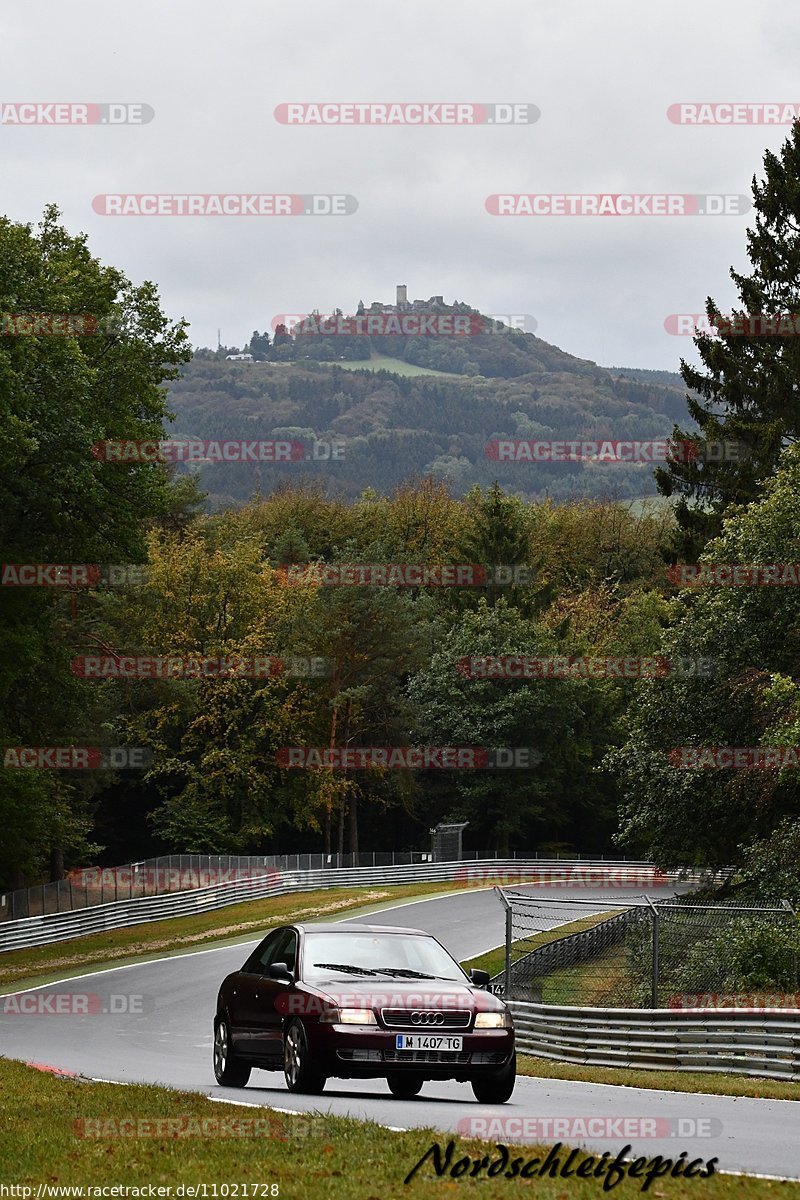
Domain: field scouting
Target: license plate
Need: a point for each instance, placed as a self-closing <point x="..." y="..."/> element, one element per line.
<point x="427" y="1041"/>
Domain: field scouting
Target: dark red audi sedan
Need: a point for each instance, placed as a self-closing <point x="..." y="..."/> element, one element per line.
<point x="362" y="1002"/>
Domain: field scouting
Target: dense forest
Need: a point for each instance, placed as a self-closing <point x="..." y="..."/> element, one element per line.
<point x="561" y="566"/>
<point x="393" y="427"/>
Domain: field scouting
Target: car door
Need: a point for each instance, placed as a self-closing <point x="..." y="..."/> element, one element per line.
<point x="245" y="1005"/>
<point x="267" y="1018"/>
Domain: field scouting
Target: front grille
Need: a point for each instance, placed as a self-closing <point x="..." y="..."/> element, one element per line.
<point x="428" y="1056"/>
<point x="487" y="1057"/>
<point x="433" y="1019"/>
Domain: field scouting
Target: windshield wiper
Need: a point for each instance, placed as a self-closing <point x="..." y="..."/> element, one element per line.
<point x="346" y="967"/>
<point x="405" y="971"/>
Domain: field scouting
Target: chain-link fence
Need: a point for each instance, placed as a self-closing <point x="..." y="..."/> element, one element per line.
<point x="89" y="886"/>
<point x="644" y="953"/>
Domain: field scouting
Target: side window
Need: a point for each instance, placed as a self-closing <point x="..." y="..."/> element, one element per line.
<point x="264" y="954"/>
<point x="287" y="949"/>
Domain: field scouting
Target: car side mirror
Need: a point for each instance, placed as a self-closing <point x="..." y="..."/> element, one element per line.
<point x="480" y="978"/>
<point x="279" y="970"/>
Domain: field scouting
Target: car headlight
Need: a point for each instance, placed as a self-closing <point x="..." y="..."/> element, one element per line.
<point x="493" y="1020"/>
<point x="348" y="1016"/>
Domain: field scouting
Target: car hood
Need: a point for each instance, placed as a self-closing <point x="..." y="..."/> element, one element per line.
<point x="404" y="993"/>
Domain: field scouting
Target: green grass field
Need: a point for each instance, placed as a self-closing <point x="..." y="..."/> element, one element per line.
<point x="62" y="1132"/>
<point x="382" y="362"/>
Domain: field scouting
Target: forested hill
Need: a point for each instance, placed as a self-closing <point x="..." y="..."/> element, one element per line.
<point x="404" y="407"/>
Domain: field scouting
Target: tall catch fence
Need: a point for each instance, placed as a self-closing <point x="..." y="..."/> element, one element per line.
<point x="646" y="953"/>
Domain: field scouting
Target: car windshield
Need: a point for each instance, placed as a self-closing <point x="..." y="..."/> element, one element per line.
<point x="403" y="955"/>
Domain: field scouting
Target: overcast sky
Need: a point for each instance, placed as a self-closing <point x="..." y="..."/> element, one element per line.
<point x="602" y="72"/>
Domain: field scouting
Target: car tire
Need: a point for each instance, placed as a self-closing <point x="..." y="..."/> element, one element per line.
<point x="497" y="1086"/>
<point x="404" y="1086"/>
<point x="229" y="1069"/>
<point x="300" y="1074"/>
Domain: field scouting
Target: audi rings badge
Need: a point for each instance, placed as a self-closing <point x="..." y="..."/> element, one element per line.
<point x="427" y="1018"/>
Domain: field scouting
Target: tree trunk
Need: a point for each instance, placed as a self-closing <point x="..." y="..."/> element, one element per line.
<point x="56" y="865"/>
<point x="353" y="832"/>
<point x="343" y="800"/>
<point x="327" y="828"/>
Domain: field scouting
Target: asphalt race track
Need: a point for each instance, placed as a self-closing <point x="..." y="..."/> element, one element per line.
<point x="152" y="1022"/>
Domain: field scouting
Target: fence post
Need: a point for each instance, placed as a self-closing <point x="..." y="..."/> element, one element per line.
<point x="509" y="920"/>
<point x="655" y="980"/>
<point x="790" y="908"/>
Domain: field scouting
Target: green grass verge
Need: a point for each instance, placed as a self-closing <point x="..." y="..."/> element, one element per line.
<point x="605" y="982"/>
<point x="495" y="960"/>
<point x="661" y="1081"/>
<point x="308" y="1158"/>
<point x="237" y="922"/>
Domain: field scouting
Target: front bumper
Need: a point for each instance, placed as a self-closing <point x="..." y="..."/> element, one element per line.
<point x="351" y="1051"/>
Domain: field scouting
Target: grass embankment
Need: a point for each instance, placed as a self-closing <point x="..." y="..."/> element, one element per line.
<point x="495" y="960"/>
<point x="237" y="922"/>
<point x="313" y="1157"/>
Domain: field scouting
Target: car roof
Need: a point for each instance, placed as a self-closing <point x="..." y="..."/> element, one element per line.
<point x="353" y="927"/>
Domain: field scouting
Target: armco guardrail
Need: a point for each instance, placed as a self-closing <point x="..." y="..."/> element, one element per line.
<point x="88" y="886"/>
<point x="60" y="927"/>
<point x="734" y="1041"/>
